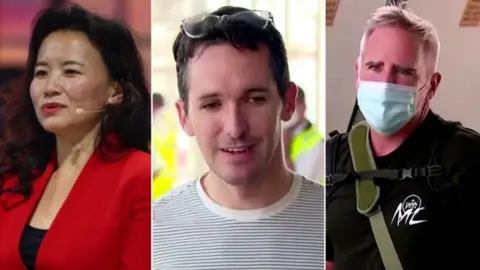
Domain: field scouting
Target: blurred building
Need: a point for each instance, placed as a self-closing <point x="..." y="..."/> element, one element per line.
<point x="16" y="17"/>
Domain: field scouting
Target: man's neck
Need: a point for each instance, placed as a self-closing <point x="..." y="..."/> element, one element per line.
<point x="383" y="145"/>
<point x="268" y="189"/>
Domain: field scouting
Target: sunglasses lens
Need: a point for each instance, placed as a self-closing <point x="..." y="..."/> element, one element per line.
<point x="258" y="19"/>
<point x="197" y="26"/>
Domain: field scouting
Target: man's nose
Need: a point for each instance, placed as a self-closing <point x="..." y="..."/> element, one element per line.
<point x="235" y="122"/>
<point x="388" y="75"/>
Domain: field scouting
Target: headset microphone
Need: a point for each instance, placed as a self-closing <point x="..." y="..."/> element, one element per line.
<point x="83" y="111"/>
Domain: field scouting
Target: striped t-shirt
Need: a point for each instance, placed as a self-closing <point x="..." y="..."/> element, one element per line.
<point x="191" y="232"/>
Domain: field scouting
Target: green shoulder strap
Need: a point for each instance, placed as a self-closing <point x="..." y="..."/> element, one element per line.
<point x="368" y="194"/>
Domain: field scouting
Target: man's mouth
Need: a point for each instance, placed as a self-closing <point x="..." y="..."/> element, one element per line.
<point x="237" y="150"/>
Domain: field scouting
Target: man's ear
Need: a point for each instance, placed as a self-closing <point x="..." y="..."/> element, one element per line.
<point x="184" y="118"/>
<point x="289" y="102"/>
<point x="434" y="83"/>
<point x="357" y="72"/>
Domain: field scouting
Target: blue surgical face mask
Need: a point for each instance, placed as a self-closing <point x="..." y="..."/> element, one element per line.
<point x="386" y="107"/>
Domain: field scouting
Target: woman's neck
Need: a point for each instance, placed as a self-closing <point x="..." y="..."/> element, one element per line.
<point x="76" y="151"/>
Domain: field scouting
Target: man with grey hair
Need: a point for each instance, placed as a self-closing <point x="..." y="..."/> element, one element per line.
<point x="401" y="186"/>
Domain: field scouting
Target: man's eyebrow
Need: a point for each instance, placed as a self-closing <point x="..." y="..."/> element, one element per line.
<point x="210" y="95"/>
<point x="253" y="90"/>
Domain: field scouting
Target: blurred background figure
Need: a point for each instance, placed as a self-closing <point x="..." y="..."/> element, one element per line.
<point x="157" y="103"/>
<point x="304" y="55"/>
<point x="302" y="142"/>
<point x="164" y="147"/>
<point x="157" y="162"/>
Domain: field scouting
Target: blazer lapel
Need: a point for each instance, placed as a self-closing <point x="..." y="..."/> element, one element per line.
<point x="67" y="213"/>
<point x="22" y="209"/>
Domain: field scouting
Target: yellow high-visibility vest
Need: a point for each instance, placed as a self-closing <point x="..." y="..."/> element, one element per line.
<point x="165" y="148"/>
<point x="303" y="142"/>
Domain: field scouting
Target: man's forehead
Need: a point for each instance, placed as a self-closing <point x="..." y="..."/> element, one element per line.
<point x="223" y="68"/>
<point x="392" y="43"/>
<point x="217" y="51"/>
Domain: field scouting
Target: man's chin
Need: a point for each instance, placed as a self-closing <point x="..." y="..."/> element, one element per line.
<point x="238" y="176"/>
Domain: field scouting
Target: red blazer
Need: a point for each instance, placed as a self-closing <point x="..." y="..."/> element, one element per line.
<point x="104" y="224"/>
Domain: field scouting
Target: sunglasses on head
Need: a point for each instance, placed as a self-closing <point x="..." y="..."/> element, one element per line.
<point x="197" y="26"/>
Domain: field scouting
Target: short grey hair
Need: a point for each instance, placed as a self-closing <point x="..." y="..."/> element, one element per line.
<point x="393" y="16"/>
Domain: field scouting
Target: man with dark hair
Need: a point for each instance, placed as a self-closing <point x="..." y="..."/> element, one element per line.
<point x="157" y="101"/>
<point x="303" y="143"/>
<point x="248" y="211"/>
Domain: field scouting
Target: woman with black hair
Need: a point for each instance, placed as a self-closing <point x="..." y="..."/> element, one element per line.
<point x="75" y="164"/>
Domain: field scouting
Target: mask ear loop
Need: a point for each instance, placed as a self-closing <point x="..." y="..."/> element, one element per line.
<point x="423" y="111"/>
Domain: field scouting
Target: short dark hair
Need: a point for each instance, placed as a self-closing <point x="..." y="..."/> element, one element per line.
<point x="157" y="99"/>
<point x="300" y="94"/>
<point x="240" y="35"/>
<point x="29" y="147"/>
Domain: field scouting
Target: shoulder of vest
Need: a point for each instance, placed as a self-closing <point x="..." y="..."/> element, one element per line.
<point x="309" y="132"/>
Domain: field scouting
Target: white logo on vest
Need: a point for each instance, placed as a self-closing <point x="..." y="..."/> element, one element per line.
<point x="407" y="211"/>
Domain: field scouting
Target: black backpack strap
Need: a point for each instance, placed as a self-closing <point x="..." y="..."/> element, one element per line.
<point x="434" y="171"/>
<point x="333" y="133"/>
<point x="401" y="174"/>
<point x="428" y="172"/>
<point x="331" y="147"/>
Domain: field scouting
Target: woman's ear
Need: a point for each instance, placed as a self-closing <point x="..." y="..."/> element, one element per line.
<point x="116" y="96"/>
